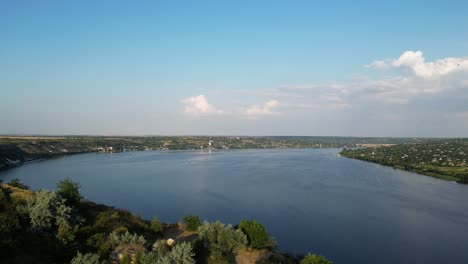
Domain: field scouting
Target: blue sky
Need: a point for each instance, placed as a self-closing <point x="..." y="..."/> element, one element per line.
<point x="234" y="68"/>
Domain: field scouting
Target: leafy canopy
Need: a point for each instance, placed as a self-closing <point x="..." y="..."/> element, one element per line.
<point x="69" y="191"/>
<point x="256" y="233"/>
<point x="315" y="259"/>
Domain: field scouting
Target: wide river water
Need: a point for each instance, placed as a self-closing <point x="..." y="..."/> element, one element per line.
<point x="309" y="200"/>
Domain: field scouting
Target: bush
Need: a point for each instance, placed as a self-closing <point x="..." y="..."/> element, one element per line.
<point x="192" y="222"/>
<point x="222" y="238"/>
<point x="9" y="225"/>
<point x="315" y="259"/>
<point x="182" y="254"/>
<point x="5" y="194"/>
<point x="148" y="258"/>
<point x="69" y="191"/>
<point x="16" y="183"/>
<point x="161" y="247"/>
<point x="126" y="238"/>
<point x="120" y="230"/>
<point x="65" y="233"/>
<point x="156" y="225"/>
<point x="85" y="259"/>
<point x="256" y="233"/>
<point x="47" y="210"/>
<point x="96" y="240"/>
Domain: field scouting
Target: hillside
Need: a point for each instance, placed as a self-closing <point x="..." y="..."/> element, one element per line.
<point x="62" y="227"/>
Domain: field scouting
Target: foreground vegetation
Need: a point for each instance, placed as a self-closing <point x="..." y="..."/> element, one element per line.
<point x="60" y="227"/>
<point x="444" y="159"/>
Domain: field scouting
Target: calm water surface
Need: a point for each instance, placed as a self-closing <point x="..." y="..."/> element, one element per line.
<point x="309" y="200"/>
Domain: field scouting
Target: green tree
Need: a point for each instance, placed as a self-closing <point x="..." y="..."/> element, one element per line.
<point x="192" y="222"/>
<point x="182" y="254"/>
<point x="88" y="258"/>
<point x="256" y="233"/>
<point x="47" y="210"/>
<point x="156" y="225"/>
<point x="69" y="191"/>
<point x="315" y="259"/>
<point x="223" y="239"/>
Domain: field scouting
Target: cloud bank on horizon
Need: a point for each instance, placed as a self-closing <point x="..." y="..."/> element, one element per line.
<point x="406" y="91"/>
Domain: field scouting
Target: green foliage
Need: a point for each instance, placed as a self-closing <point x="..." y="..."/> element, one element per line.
<point x="161" y="247"/>
<point x="46" y="210"/>
<point x="223" y="239"/>
<point x="88" y="258"/>
<point x="192" y="222"/>
<point x="16" y="183"/>
<point x="180" y="254"/>
<point x="126" y="260"/>
<point x="9" y="225"/>
<point x="65" y="233"/>
<point x="440" y="158"/>
<point x="126" y="238"/>
<point x="315" y="259"/>
<point x="96" y="240"/>
<point x="102" y="220"/>
<point x="4" y="194"/>
<point x="217" y="257"/>
<point x="156" y="225"/>
<point x="148" y="258"/>
<point x="69" y="191"/>
<point x="115" y="216"/>
<point x="256" y="233"/>
<point x="121" y="230"/>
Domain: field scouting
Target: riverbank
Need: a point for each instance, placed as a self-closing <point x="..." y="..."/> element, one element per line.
<point x="15" y="150"/>
<point x="443" y="159"/>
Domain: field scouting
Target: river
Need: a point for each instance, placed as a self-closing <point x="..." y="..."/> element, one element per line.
<point x="308" y="199"/>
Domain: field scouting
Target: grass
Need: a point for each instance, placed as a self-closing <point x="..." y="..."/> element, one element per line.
<point x="17" y="193"/>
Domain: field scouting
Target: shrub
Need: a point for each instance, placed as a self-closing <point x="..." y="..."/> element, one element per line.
<point x="148" y="258"/>
<point x="5" y="194"/>
<point x="192" y="222"/>
<point x="69" y="191"/>
<point x="88" y="258"/>
<point x="9" y="224"/>
<point x="256" y="233"/>
<point x="182" y="254"/>
<point x="120" y="230"/>
<point x="65" y="233"/>
<point x="315" y="259"/>
<point x="126" y="260"/>
<point x="156" y="225"/>
<point x="222" y="238"/>
<point x="161" y="247"/>
<point x="102" y="220"/>
<point x="16" y="183"/>
<point x="126" y="238"/>
<point x="10" y="230"/>
<point x="46" y="210"/>
<point x="96" y="240"/>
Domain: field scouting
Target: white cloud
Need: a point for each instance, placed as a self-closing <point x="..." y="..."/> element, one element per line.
<point x="199" y="106"/>
<point x="378" y="64"/>
<point x="267" y="108"/>
<point x="416" y="63"/>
